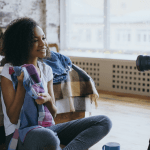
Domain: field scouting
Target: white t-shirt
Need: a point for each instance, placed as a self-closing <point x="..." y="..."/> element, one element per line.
<point x="46" y="75"/>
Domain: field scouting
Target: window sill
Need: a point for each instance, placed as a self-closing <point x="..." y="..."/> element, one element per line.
<point x="99" y="55"/>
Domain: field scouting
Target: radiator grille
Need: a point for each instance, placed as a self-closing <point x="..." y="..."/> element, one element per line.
<point x="115" y="75"/>
<point x="91" y="68"/>
<point x="129" y="78"/>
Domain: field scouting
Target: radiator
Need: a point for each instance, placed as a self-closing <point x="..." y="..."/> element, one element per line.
<point x="115" y="75"/>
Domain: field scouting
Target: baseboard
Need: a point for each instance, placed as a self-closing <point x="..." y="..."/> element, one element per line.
<point x="123" y="94"/>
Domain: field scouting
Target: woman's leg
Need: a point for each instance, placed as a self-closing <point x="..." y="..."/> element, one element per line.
<point x="77" y="135"/>
<point x="82" y="133"/>
<point x="40" y="139"/>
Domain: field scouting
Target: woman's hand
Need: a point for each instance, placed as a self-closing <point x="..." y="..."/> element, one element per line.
<point x="45" y="98"/>
<point x="20" y="78"/>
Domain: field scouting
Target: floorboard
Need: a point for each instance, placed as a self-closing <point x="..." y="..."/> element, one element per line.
<point x="130" y="116"/>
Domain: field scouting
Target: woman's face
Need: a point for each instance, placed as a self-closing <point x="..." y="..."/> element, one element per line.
<point x="39" y="45"/>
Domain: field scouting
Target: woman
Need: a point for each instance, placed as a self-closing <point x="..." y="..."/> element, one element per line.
<point x="24" y="42"/>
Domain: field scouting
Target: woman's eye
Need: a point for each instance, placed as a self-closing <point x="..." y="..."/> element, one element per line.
<point x="37" y="40"/>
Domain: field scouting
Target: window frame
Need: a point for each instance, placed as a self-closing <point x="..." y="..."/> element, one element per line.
<point x="63" y="21"/>
<point x="106" y="41"/>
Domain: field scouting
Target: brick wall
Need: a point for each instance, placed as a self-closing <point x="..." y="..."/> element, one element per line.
<point x="45" y="12"/>
<point x="52" y="20"/>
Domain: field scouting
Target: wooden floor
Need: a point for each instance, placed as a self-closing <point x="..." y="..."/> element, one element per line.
<point x="130" y="116"/>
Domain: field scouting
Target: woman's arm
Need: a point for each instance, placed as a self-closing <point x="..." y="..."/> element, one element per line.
<point x="49" y="99"/>
<point x="52" y="109"/>
<point x="13" y="100"/>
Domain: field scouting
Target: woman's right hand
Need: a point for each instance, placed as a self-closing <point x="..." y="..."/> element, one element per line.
<point x="20" y="78"/>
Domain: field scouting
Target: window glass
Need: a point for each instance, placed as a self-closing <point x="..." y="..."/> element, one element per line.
<point x="130" y="24"/>
<point x="115" y="27"/>
<point x="84" y="25"/>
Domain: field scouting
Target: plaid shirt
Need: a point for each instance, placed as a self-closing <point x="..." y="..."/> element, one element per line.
<point x="32" y="115"/>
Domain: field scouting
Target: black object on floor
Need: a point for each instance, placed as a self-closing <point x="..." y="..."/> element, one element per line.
<point x="149" y="145"/>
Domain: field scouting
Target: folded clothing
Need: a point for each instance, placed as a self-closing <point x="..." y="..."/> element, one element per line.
<point x="60" y="65"/>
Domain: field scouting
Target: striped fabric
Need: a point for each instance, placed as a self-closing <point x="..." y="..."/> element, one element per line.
<point x="32" y="115"/>
<point x="77" y="85"/>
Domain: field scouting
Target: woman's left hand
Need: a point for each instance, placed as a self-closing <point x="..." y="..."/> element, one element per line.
<point x="45" y="98"/>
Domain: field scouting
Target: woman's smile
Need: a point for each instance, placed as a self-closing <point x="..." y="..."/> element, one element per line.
<point x="42" y="50"/>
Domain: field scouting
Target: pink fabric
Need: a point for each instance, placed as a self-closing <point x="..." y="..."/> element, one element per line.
<point x="11" y="70"/>
<point x="16" y="134"/>
<point x="44" y="124"/>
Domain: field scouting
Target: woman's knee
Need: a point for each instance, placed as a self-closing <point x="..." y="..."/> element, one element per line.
<point x="105" y="122"/>
<point x="50" y="137"/>
<point x="108" y="123"/>
<point x="50" y="140"/>
<point x="43" y="139"/>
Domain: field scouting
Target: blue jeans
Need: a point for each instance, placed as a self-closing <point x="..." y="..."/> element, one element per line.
<point x="78" y="134"/>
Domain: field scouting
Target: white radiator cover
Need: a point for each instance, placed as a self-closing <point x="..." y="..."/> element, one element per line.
<point x="115" y="75"/>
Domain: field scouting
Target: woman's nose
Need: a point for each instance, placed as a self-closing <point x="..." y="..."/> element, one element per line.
<point x="41" y="43"/>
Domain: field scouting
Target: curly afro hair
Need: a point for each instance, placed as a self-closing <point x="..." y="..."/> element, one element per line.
<point x="18" y="40"/>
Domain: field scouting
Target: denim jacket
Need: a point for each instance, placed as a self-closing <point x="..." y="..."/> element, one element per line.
<point x="32" y="115"/>
<point x="60" y="65"/>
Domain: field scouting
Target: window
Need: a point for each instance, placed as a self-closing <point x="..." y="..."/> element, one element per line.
<point x="105" y="26"/>
<point x="143" y="36"/>
<point x="123" y="36"/>
<point x="84" y="35"/>
<point x="99" y="33"/>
